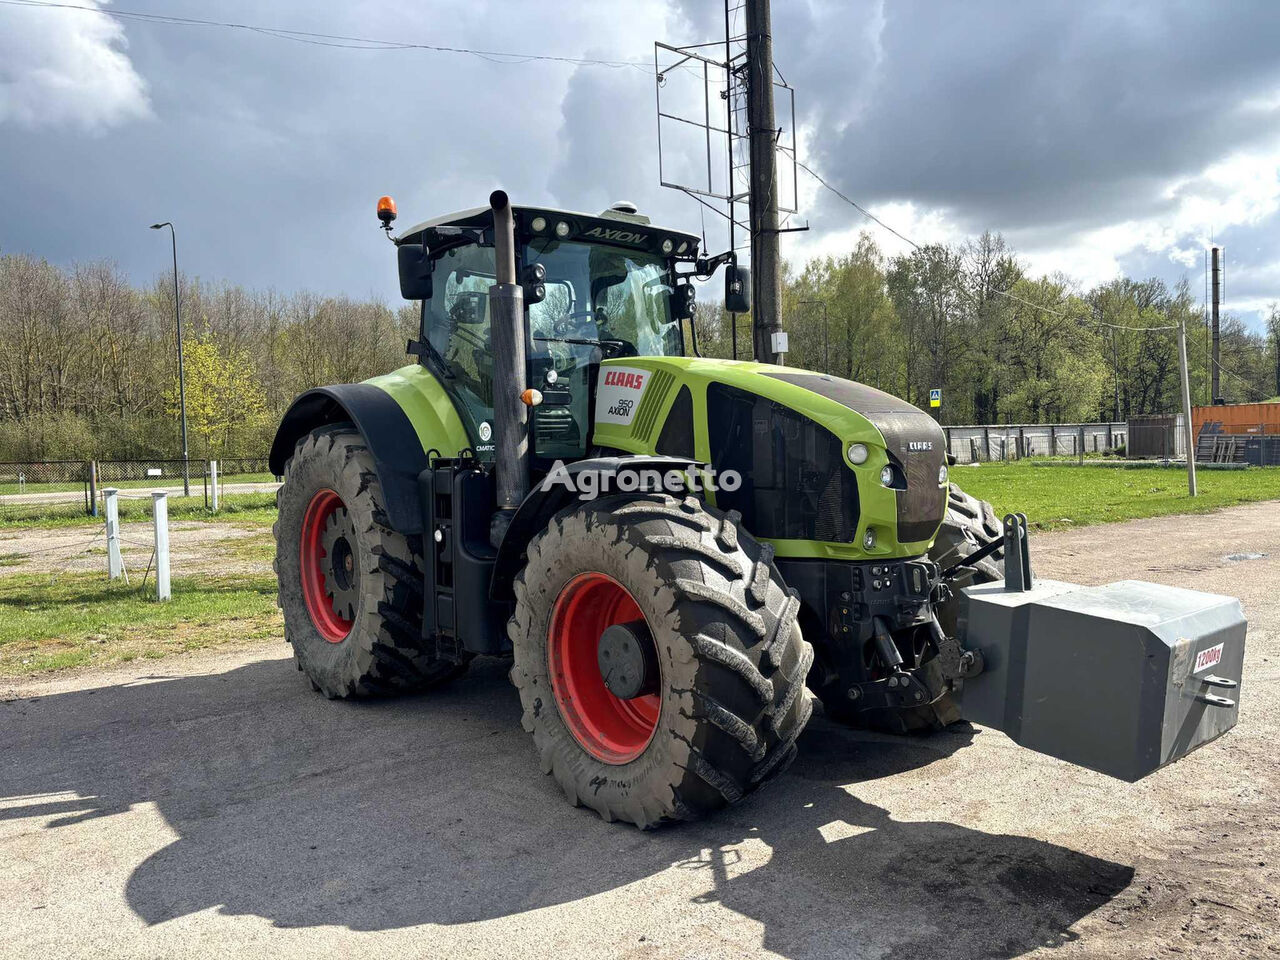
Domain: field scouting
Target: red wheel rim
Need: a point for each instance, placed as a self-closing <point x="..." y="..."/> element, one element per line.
<point x="313" y="562"/>
<point x="606" y="726"/>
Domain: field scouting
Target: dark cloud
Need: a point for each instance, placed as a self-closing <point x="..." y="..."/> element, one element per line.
<point x="269" y="155"/>
<point x="1014" y="114"/>
<point x="1045" y="120"/>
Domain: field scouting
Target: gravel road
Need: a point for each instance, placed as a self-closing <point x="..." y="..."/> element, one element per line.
<point x="195" y="546"/>
<point x="214" y="806"/>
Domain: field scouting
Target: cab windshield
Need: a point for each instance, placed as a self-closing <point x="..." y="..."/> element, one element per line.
<point x="597" y="292"/>
<point x="601" y="302"/>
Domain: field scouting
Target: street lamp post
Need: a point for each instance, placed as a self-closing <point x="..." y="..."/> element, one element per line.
<point x="182" y="379"/>
<point x="826" y="358"/>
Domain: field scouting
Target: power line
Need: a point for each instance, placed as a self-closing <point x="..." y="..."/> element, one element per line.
<point x="333" y="40"/>
<point x="1254" y="392"/>
<point x="1000" y="293"/>
<point x="857" y="206"/>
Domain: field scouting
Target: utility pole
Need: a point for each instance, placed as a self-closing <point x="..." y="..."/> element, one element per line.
<point x="182" y="379"/>
<point x="766" y="273"/>
<point x="1187" y="437"/>
<point x="1215" y="391"/>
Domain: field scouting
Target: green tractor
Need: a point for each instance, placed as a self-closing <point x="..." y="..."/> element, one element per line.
<point x="673" y="550"/>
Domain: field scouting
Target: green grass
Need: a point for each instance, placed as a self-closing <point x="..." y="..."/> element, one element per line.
<point x="50" y="622"/>
<point x="1057" y="497"/>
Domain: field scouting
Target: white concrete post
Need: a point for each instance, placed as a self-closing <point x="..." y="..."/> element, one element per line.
<point x="160" y="513"/>
<point x="213" y="482"/>
<point x="114" y="566"/>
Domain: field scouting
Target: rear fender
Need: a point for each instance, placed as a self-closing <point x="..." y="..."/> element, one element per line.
<point x="387" y="431"/>
<point x="550" y="497"/>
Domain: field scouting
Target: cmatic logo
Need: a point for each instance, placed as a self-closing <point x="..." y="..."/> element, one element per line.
<point x="619" y="236"/>
<point x="621" y="378"/>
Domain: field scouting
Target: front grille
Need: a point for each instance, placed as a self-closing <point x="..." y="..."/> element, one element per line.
<point x="914" y="441"/>
<point x="795" y="485"/>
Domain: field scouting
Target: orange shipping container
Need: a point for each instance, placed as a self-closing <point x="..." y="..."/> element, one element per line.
<point x="1247" y="418"/>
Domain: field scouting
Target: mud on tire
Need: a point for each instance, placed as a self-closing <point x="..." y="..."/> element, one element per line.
<point x="970" y="524"/>
<point x="731" y="659"/>
<point x="381" y="652"/>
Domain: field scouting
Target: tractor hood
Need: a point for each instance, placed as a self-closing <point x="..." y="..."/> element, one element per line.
<point x="789" y="433"/>
<point x="911" y="437"/>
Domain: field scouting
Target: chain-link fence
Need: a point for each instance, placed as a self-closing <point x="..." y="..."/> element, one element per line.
<point x="69" y="489"/>
<point x="980" y="443"/>
<point x="51" y="488"/>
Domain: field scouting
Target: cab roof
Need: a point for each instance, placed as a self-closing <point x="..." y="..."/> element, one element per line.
<point x="614" y="227"/>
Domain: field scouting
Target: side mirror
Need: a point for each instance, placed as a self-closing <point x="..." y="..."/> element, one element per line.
<point x="683" y="300"/>
<point x="737" y="289"/>
<point x="415" y="271"/>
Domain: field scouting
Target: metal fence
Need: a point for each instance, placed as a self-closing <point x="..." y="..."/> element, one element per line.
<point x="1255" y="448"/>
<point x="50" y="489"/>
<point x="978" y="443"/>
<point x="44" y="488"/>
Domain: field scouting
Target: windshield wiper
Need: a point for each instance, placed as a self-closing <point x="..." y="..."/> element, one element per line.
<point x="425" y="347"/>
<point x="612" y="345"/>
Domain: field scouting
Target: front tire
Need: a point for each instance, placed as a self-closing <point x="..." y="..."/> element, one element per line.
<point x="350" y="587"/>
<point x="726" y="700"/>
<point x="970" y="525"/>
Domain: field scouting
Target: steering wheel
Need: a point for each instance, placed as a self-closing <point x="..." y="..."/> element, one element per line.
<point x="468" y="307"/>
<point x="620" y="347"/>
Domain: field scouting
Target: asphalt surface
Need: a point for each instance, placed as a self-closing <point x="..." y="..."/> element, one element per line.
<point x="214" y="806"/>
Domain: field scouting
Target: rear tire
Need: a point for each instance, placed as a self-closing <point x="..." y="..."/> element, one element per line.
<point x="350" y="587"/>
<point x="730" y="660"/>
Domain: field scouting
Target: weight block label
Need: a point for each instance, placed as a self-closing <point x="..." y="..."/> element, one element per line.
<point x="1208" y="658"/>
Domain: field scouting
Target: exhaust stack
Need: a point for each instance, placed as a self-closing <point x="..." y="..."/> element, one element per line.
<point x="510" y="415"/>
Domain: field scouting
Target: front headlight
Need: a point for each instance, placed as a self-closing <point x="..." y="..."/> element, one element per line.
<point x="857" y="453"/>
<point x="942" y="474"/>
<point x="869" y="538"/>
<point x="886" y="475"/>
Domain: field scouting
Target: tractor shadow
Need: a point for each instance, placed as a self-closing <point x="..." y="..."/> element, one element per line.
<point x="432" y="809"/>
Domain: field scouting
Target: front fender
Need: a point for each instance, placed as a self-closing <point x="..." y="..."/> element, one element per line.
<point x="549" y="498"/>
<point x="387" y="431"/>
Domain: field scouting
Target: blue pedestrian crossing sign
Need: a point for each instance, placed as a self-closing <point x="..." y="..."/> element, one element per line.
<point x="935" y="397"/>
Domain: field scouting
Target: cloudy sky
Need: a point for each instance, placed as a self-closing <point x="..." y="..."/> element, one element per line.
<point x="1098" y="137"/>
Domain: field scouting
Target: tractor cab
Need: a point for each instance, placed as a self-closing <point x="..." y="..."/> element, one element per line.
<point x="595" y="287"/>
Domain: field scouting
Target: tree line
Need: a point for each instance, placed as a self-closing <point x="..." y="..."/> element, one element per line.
<point x="1002" y="345"/>
<point x="88" y="366"/>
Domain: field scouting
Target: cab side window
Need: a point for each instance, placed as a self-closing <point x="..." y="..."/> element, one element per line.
<point x="456" y="321"/>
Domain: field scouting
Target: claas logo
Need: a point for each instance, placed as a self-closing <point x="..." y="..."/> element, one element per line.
<point x="620" y="378"/>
